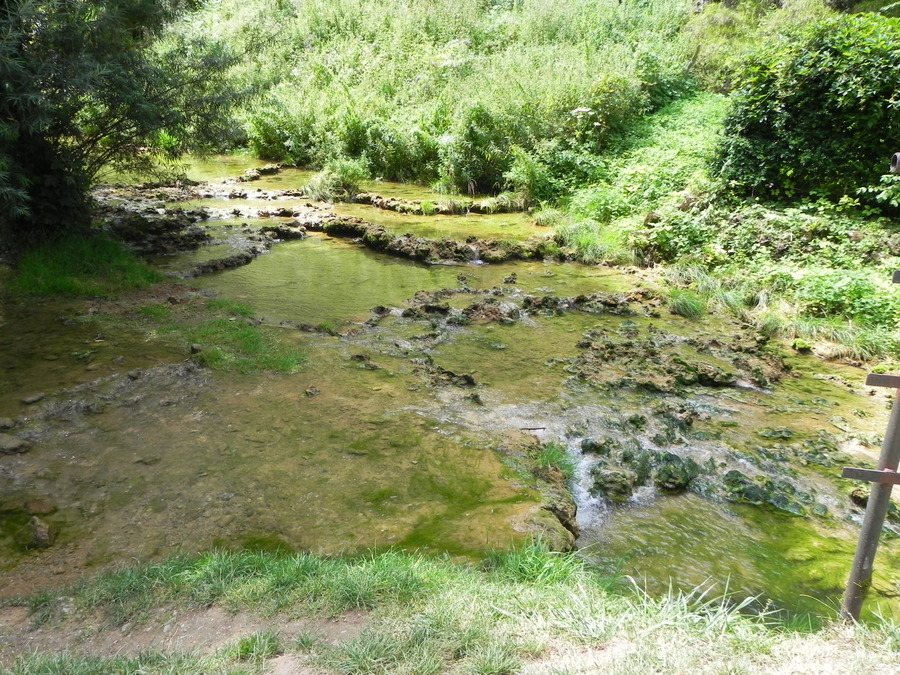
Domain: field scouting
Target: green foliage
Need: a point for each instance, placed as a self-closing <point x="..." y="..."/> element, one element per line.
<point x="534" y="564"/>
<point x="256" y="647"/>
<point x="88" y="85"/>
<point x="232" y="345"/>
<point x="478" y="95"/>
<point x="816" y="113"/>
<point x="531" y="606"/>
<point x="529" y="178"/>
<point x="226" y="306"/>
<point x="723" y="35"/>
<point x="156" y="312"/>
<point x="79" y="267"/>
<point x="661" y="162"/>
<point x="338" y="181"/>
<point x="886" y="194"/>
<point x="849" y="294"/>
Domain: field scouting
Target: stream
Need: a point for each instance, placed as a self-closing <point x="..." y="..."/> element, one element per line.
<point x="425" y="389"/>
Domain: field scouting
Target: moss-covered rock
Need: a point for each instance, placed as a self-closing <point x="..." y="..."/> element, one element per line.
<point x="672" y="473"/>
<point x="763" y="491"/>
<point x="617" y="485"/>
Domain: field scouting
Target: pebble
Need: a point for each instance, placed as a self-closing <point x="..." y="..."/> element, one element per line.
<point x="34" y="398"/>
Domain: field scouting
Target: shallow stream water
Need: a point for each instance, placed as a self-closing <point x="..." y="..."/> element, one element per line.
<point x="134" y="458"/>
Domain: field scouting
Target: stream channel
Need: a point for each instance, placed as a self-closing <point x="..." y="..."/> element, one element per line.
<point x="414" y="421"/>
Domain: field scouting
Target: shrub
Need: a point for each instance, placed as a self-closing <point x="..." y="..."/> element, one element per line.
<point x="851" y="294"/>
<point x="816" y="113"/>
<point x="338" y="181"/>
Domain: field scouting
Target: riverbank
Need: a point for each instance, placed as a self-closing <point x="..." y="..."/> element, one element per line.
<point x="529" y="612"/>
<point x="444" y="407"/>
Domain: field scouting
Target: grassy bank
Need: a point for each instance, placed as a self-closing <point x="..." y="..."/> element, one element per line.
<point x="527" y="611"/>
<point x="220" y="334"/>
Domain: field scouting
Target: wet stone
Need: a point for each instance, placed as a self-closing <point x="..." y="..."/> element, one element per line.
<point x="599" y="446"/>
<point x="614" y="484"/>
<point x="673" y="473"/>
<point x="34" y="398"/>
<point x="12" y="445"/>
<point x="6" y="423"/>
<point x="42" y="533"/>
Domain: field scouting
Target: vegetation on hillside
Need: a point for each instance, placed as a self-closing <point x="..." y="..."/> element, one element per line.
<point x="743" y="142"/>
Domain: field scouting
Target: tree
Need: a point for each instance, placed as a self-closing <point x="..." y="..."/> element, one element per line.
<point x="87" y="85"/>
<point x="817" y="113"/>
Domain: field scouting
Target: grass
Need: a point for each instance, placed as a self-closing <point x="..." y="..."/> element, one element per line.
<point x="224" y="336"/>
<point x="770" y="307"/>
<point x="91" y="267"/>
<point x="81" y="267"/>
<point x="555" y="455"/>
<point x="686" y="303"/>
<point x="526" y="611"/>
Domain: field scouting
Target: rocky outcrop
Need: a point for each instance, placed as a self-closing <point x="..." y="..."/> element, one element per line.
<point x="156" y="233"/>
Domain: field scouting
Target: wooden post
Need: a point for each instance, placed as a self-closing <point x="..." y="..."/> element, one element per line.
<point x="883" y="480"/>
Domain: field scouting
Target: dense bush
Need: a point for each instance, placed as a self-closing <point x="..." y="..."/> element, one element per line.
<point x="850" y="294"/>
<point x="818" y="113"/>
<point x="88" y="86"/>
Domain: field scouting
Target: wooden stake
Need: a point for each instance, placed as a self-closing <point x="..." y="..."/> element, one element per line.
<point x="883" y="481"/>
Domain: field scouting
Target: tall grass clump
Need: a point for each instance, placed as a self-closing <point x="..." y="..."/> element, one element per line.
<point x="588" y="241"/>
<point x="338" y="181"/>
<point x="685" y="303"/>
<point x="555" y="455"/>
<point x="81" y="267"/>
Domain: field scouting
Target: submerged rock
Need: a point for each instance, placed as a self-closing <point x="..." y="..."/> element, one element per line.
<point x="762" y="490"/>
<point x="42" y="533"/>
<point x="12" y="445"/>
<point x="673" y="474"/>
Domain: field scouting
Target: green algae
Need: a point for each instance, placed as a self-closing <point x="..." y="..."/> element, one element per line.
<point x="501" y="226"/>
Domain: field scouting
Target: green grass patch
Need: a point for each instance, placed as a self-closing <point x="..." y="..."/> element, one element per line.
<point x="257" y="646"/>
<point x="229" y="344"/>
<point x="81" y="267"/>
<point x="551" y="611"/>
<point x="555" y="455"/>
<point x="686" y="303"/>
<point x="223" y="335"/>
<point x="156" y="312"/>
<point x="225" y="306"/>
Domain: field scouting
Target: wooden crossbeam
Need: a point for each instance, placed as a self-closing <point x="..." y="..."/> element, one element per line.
<point x="881" y="477"/>
<point x="878" y="380"/>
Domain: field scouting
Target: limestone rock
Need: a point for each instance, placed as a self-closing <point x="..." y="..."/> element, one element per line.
<point x="12" y="445"/>
<point x="42" y="533"/>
